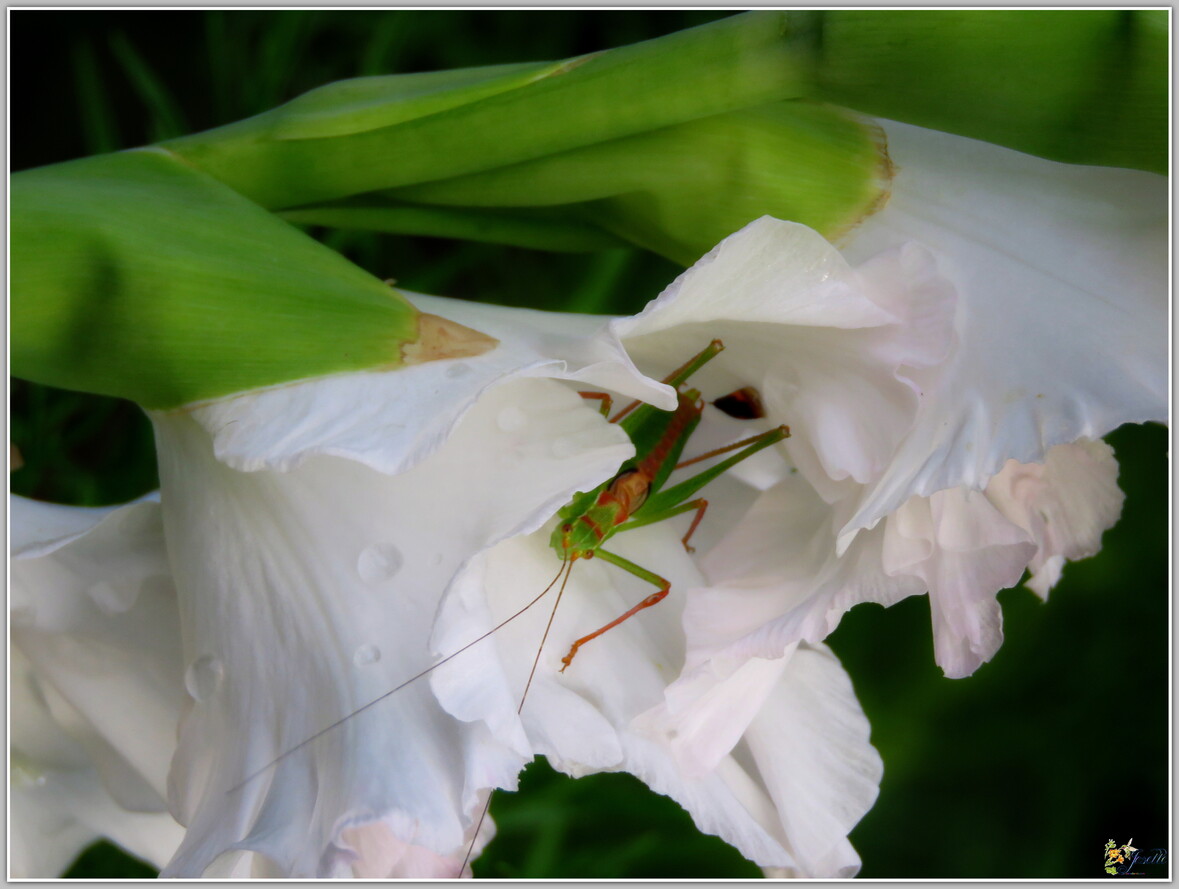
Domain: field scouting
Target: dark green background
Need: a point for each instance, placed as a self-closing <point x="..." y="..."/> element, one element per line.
<point x="1023" y="770"/>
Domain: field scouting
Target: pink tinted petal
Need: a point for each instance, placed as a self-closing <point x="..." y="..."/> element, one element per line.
<point x="1061" y="276"/>
<point x="1066" y="504"/>
<point x="972" y="553"/>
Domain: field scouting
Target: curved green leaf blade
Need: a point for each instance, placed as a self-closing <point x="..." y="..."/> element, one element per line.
<point x="135" y="275"/>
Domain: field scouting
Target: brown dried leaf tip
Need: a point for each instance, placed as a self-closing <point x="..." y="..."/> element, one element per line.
<point x="440" y="338"/>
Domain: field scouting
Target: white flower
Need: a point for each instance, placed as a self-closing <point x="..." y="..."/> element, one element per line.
<point x="313" y="528"/>
<point x="330" y="540"/>
<point x="94" y="684"/>
<point x="1060" y="337"/>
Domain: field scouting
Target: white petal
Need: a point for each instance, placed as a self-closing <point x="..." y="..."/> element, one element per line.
<point x="810" y="743"/>
<point x="608" y="711"/>
<point x="55" y="819"/>
<point x="776" y="578"/>
<point x="58" y="802"/>
<point x="97" y="619"/>
<point x="797" y="781"/>
<point x="566" y="715"/>
<point x="707" y="711"/>
<point x="39" y="528"/>
<point x="309" y="593"/>
<point x="391" y="420"/>
<point x="831" y="348"/>
<point x="964" y="551"/>
<point x="1065" y="504"/>
<point x="1061" y="273"/>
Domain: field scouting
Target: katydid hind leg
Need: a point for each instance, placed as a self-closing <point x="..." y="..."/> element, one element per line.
<point x="716" y="452"/>
<point x="700" y="505"/>
<point x="657" y="505"/>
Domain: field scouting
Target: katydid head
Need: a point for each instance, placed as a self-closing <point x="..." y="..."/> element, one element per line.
<point x="744" y="404"/>
<point x="575" y="540"/>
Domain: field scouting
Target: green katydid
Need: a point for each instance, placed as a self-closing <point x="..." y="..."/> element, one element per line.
<point x="634" y="497"/>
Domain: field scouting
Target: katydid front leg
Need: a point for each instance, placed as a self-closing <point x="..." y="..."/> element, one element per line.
<point x="653" y="599"/>
<point x="668" y="504"/>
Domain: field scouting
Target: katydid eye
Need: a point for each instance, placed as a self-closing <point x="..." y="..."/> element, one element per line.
<point x="744" y="404"/>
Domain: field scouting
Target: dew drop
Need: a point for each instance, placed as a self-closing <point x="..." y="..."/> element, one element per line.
<point x="366" y="655"/>
<point x="378" y="562"/>
<point x="511" y="419"/>
<point x="203" y="677"/>
<point x="455" y="371"/>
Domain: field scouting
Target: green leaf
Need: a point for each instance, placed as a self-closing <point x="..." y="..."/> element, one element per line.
<point x="134" y="275"/>
<point x="522" y="113"/>
<point x="371" y="103"/>
<point x="536" y="228"/>
<point x="680" y="190"/>
<point x="1082" y="86"/>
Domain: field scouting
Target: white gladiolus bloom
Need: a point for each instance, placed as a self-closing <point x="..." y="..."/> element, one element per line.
<point x="313" y="528"/>
<point x="329" y="540"/>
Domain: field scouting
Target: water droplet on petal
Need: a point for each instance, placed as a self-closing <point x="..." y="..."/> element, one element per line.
<point x="511" y="419"/>
<point x="378" y="562"/>
<point x="203" y="677"/>
<point x="455" y="371"/>
<point x="366" y="655"/>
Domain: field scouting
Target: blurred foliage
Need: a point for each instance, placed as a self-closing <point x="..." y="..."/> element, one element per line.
<point x="1023" y="770"/>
